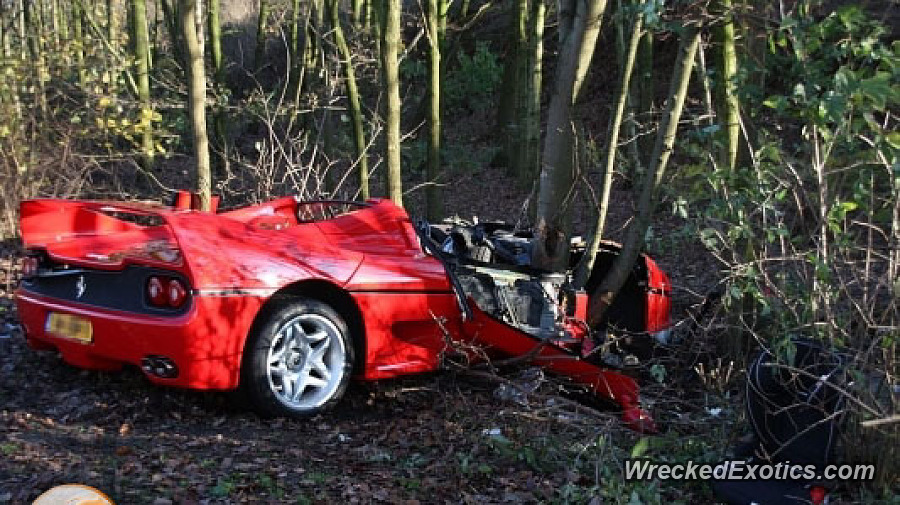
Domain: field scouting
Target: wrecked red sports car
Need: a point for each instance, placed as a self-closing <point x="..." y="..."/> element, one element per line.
<point x="289" y="299"/>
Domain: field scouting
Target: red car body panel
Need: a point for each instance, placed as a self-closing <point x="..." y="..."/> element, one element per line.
<point x="235" y="262"/>
<point x="207" y="352"/>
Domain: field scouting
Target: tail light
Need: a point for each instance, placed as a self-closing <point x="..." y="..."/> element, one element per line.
<point x="166" y="292"/>
<point x="177" y="293"/>
<point x="30" y="265"/>
<point x="156" y="292"/>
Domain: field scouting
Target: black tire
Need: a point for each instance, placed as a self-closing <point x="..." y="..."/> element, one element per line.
<point x="269" y="388"/>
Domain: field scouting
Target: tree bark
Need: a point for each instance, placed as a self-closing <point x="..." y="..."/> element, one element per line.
<point x="142" y="57"/>
<point x="215" y="38"/>
<point x="197" y="99"/>
<point x="513" y="99"/>
<point x="579" y="27"/>
<point x="262" y="19"/>
<point x="603" y="297"/>
<point x="434" y="203"/>
<point x="356" y="116"/>
<point x="727" y="105"/>
<point x="587" y="263"/>
<point x="390" y="40"/>
<point x="78" y="33"/>
<point x="532" y="161"/>
<point x="640" y="98"/>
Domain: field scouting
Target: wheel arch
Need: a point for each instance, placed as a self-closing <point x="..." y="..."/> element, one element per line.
<point x="330" y="294"/>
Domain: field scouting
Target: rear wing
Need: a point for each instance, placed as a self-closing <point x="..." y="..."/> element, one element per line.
<point x="97" y="234"/>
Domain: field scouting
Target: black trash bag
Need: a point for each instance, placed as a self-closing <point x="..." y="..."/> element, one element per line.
<point x="795" y="410"/>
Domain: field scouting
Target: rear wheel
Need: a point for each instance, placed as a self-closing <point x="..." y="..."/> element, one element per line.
<point x="299" y="360"/>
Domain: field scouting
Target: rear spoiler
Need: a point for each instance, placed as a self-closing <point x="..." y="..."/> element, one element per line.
<point x="100" y="234"/>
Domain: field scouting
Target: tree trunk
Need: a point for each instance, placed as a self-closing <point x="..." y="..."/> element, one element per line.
<point x="172" y="14"/>
<point x="727" y="106"/>
<point x="390" y="41"/>
<point x="532" y="162"/>
<point x="110" y="20"/>
<point x="603" y="297"/>
<point x="22" y="29"/>
<point x="141" y="56"/>
<point x="295" y="41"/>
<point x="434" y="203"/>
<point x="356" y="116"/>
<point x="197" y="99"/>
<point x="514" y="105"/>
<point x="261" y="21"/>
<point x="77" y="28"/>
<point x="579" y="27"/>
<point x="357" y="12"/>
<point x="640" y="98"/>
<point x="587" y="263"/>
<point x="215" y="39"/>
<point x="35" y="36"/>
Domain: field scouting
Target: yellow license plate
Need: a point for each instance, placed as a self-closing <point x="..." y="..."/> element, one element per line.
<point x="69" y="326"/>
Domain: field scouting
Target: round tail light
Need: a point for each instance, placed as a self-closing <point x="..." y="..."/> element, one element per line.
<point x="156" y="292"/>
<point x="177" y="293"/>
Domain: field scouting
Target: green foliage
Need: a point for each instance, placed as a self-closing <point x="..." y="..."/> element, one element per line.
<point x="473" y="84"/>
<point x="806" y="227"/>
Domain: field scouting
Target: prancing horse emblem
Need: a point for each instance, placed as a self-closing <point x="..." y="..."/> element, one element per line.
<point x="80" y="287"/>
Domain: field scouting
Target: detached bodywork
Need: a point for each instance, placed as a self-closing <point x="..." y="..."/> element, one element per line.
<point x="287" y="299"/>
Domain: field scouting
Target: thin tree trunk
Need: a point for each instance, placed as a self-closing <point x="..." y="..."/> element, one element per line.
<point x="727" y="106"/>
<point x="197" y="99"/>
<point x="587" y="263"/>
<point x="390" y="41"/>
<point x="141" y="56"/>
<point x="434" y="203"/>
<point x="703" y="75"/>
<point x="23" y="32"/>
<point x="513" y="100"/>
<point x="603" y="297"/>
<point x="214" y="23"/>
<point x="640" y="99"/>
<point x="172" y="14"/>
<point x="357" y="12"/>
<point x="77" y="28"/>
<point x="261" y="21"/>
<point x="579" y="27"/>
<point x="519" y="133"/>
<point x="110" y="21"/>
<point x="295" y="35"/>
<point x="35" y="36"/>
<point x="54" y="22"/>
<point x="532" y="163"/>
<point x="356" y="116"/>
<point x="215" y="39"/>
<point x="62" y="15"/>
<point x="4" y="32"/>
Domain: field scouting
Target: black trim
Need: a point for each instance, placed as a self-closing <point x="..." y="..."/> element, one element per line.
<point x="123" y="290"/>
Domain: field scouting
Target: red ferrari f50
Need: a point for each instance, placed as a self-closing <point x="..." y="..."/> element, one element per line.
<point x="289" y="299"/>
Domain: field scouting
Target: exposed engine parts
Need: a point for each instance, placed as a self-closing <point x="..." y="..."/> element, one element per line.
<point x="493" y="264"/>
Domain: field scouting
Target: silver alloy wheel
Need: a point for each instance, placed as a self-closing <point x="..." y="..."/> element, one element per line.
<point x="306" y="362"/>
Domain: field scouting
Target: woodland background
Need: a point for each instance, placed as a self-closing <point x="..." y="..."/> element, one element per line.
<point x="751" y="147"/>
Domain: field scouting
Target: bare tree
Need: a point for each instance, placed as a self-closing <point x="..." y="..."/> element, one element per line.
<point x="197" y="97"/>
<point x="141" y="45"/>
<point x="603" y="297"/>
<point x="390" y="77"/>
<point x="356" y="116"/>
<point x="587" y="263"/>
<point x="578" y="29"/>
